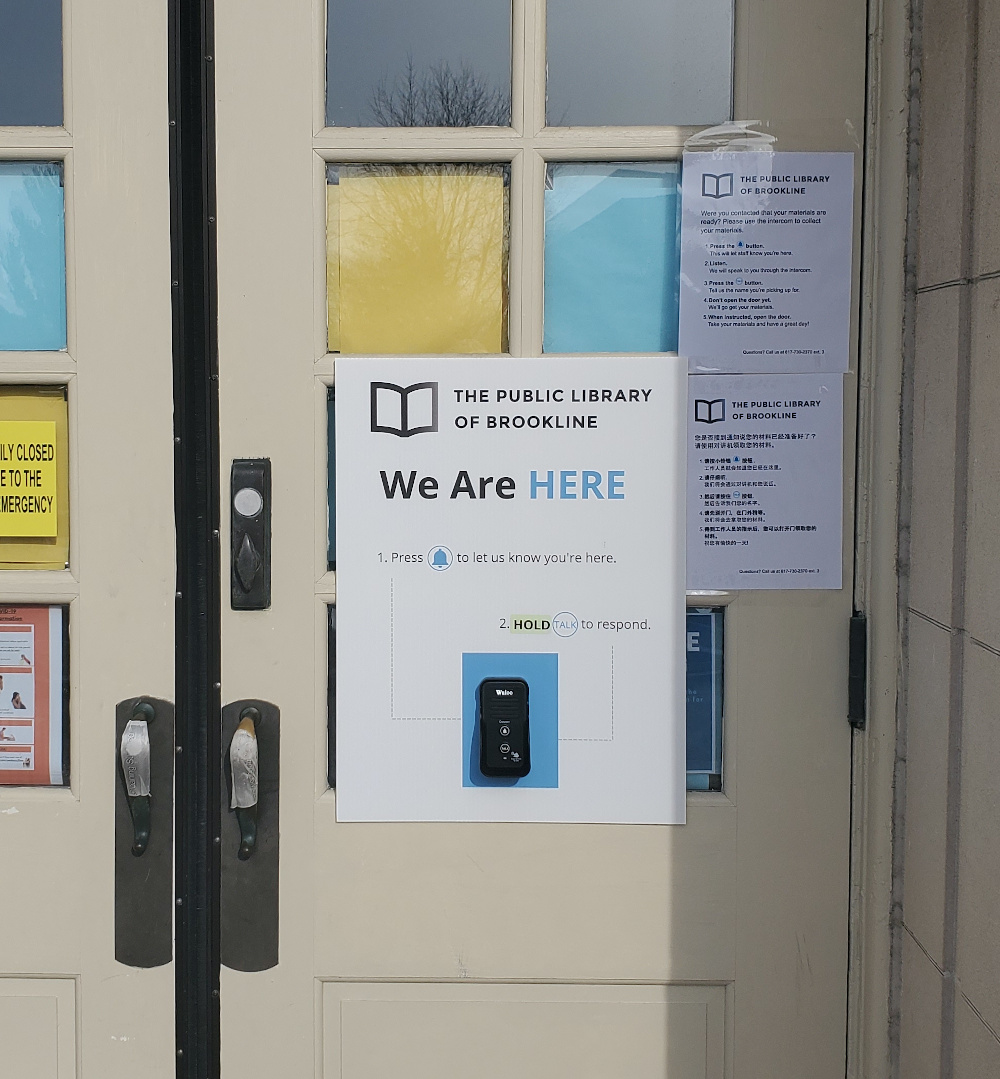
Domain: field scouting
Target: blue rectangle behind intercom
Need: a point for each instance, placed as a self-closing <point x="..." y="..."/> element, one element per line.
<point x="541" y="671"/>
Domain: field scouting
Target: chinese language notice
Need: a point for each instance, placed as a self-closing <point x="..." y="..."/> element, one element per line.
<point x="764" y="481"/>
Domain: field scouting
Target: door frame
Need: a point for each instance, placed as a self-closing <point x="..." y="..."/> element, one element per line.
<point x="885" y="316"/>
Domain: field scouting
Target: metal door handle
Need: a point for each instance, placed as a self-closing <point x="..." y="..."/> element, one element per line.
<point x="135" y="773"/>
<point x="243" y="762"/>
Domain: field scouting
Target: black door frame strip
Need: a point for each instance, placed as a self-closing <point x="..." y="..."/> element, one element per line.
<point x="196" y="510"/>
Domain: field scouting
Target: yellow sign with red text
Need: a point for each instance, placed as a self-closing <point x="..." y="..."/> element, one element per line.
<point x="28" y="478"/>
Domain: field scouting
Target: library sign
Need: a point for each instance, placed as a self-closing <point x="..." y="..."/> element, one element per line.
<point x="28" y="478"/>
<point x="510" y="555"/>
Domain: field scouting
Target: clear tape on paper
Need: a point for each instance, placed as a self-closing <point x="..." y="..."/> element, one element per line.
<point x="733" y="135"/>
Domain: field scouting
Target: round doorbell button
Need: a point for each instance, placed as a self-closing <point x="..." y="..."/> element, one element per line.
<point x="247" y="502"/>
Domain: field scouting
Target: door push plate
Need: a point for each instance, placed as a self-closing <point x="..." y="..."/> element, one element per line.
<point x="250" y="534"/>
<point x="144" y="831"/>
<point x="250" y="847"/>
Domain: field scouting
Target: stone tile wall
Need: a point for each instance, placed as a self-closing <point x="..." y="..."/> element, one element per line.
<point x="948" y="817"/>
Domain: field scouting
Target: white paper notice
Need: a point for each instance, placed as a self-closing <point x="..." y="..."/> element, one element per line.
<point x="766" y="243"/>
<point x="764" y="481"/>
<point x="522" y="521"/>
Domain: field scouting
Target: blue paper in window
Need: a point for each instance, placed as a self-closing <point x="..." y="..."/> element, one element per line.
<point x="32" y="257"/>
<point x="612" y="257"/>
<point x="704" y="697"/>
<point x="331" y="481"/>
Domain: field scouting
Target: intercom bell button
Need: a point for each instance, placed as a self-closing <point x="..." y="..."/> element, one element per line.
<point x="250" y="535"/>
<point x="504" y="745"/>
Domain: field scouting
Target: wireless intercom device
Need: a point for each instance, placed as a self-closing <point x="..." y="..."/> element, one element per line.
<point x="504" y="746"/>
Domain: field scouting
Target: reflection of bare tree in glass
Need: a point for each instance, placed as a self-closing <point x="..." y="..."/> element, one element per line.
<point x="30" y="232"/>
<point x="441" y="97"/>
<point x="423" y="256"/>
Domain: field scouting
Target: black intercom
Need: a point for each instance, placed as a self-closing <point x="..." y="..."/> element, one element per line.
<point x="504" y="746"/>
<point x="250" y="573"/>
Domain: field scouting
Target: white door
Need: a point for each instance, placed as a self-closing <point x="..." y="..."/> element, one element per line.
<point x="85" y="347"/>
<point x="717" y="948"/>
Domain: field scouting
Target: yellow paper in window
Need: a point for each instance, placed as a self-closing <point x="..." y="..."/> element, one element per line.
<point x="38" y="416"/>
<point x="421" y="263"/>
<point x="27" y="478"/>
<point x="333" y="266"/>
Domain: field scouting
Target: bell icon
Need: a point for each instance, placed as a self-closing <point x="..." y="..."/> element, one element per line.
<point x="439" y="558"/>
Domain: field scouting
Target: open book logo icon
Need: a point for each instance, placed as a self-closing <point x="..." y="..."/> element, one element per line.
<point x="404" y="410"/>
<point x="716" y="187"/>
<point x="709" y="411"/>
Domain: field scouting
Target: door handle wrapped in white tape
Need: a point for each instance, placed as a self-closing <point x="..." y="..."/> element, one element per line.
<point x="135" y="758"/>
<point x="244" y="768"/>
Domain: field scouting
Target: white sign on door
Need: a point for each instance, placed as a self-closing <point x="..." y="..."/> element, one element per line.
<point x="765" y="501"/>
<point x="510" y="521"/>
<point x="766" y="241"/>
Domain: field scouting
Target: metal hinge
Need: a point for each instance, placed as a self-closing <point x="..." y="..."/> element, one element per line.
<point x="857" y="672"/>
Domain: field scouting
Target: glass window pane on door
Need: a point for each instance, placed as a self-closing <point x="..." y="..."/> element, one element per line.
<point x="705" y="641"/>
<point x="34" y="696"/>
<point x="31" y="83"/>
<point x="34" y="478"/>
<point x="417" y="258"/>
<point x="331" y="480"/>
<point x="418" y="63"/>
<point x="612" y="257"/>
<point x="639" y="62"/>
<point x="32" y="257"/>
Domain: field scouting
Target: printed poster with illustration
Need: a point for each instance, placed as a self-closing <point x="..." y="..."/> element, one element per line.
<point x="31" y="696"/>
